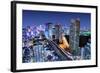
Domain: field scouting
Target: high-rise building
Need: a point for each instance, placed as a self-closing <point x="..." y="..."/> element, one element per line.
<point x="74" y="37"/>
<point x="58" y="31"/>
<point x="53" y="33"/>
<point x="48" y="30"/>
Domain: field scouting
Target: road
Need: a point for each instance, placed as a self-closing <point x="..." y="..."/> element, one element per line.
<point x="64" y="55"/>
<point x="50" y="52"/>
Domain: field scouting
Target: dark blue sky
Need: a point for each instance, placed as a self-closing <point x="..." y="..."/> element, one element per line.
<point x="31" y="17"/>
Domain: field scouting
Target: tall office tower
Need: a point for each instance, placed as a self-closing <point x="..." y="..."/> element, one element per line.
<point x="58" y="31"/>
<point x="48" y="30"/>
<point x="74" y="37"/>
<point x="53" y="33"/>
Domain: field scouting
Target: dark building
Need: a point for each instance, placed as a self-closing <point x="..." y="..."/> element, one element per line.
<point x="58" y="31"/>
<point x="74" y="36"/>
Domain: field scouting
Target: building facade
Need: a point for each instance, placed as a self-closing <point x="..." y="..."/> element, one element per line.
<point x="74" y="37"/>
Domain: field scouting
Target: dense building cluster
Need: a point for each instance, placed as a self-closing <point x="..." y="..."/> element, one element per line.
<point x="44" y="43"/>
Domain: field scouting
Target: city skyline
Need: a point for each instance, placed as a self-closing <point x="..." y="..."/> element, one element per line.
<point x="46" y="38"/>
<point x="31" y="17"/>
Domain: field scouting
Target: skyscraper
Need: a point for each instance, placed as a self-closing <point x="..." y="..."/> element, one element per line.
<point x="74" y="37"/>
<point x="58" y="31"/>
<point x="48" y="30"/>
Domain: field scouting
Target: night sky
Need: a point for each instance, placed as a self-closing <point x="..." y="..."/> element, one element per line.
<point x="31" y="17"/>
